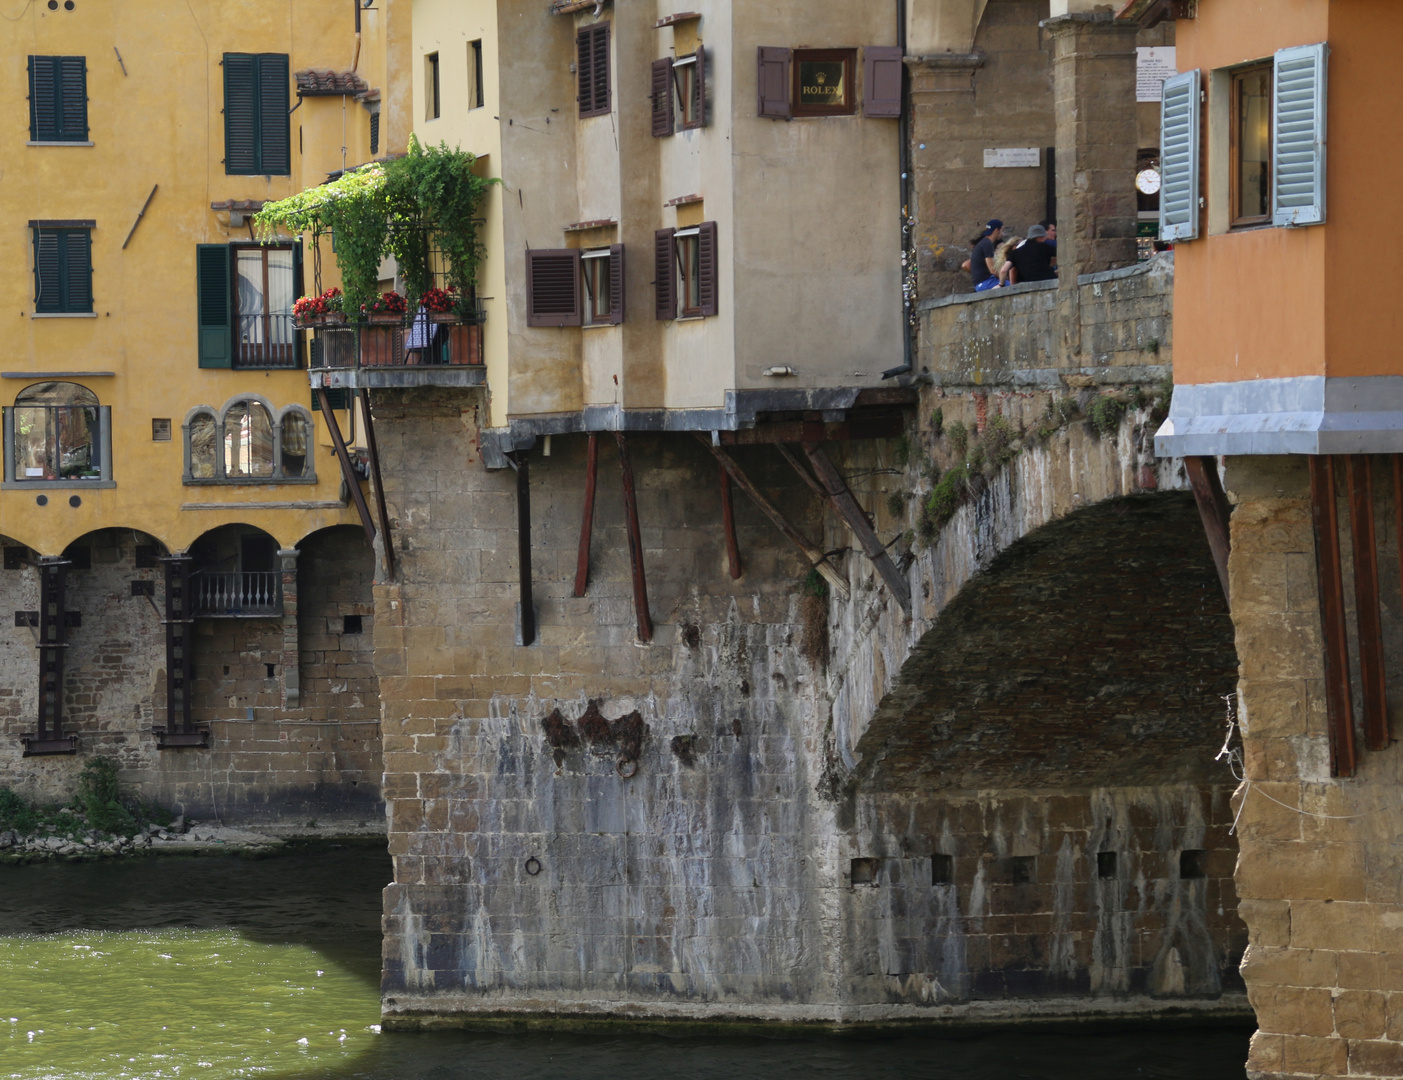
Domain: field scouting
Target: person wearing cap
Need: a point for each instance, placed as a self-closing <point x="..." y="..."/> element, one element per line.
<point x="1034" y="260"/>
<point x="983" y="272"/>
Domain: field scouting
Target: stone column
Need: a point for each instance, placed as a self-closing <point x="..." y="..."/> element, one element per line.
<point x="1093" y="84"/>
<point x="291" y="663"/>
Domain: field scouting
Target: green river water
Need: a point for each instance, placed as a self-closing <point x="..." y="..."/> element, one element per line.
<point x="221" y="967"/>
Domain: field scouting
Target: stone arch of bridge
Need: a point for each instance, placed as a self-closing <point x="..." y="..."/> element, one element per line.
<point x="1094" y="651"/>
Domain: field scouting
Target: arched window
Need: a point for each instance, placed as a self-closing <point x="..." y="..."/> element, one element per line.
<point x="246" y="443"/>
<point x="57" y="433"/>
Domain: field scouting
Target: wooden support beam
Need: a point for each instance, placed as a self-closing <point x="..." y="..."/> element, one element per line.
<point x="1359" y="486"/>
<point x="883" y="425"/>
<point x="803" y="471"/>
<point x="1213" y="511"/>
<point x="527" y="620"/>
<point x="635" y="542"/>
<point x="587" y="519"/>
<point x="728" y="525"/>
<point x="347" y="473"/>
<point x="381" y="510"/>
<point x="1339" y="706"/>
<point x="845" y="505"/>
<point x="812" y="552"/>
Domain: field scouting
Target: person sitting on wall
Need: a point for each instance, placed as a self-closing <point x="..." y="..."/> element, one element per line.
<point x="1002" y="254"/>
<point x="1034" y="260"/>
<point x="983" y="270"/>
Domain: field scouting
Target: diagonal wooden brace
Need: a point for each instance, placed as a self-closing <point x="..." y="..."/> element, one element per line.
<point x="347" y="473"/>
<point x="836" y="491"/>
<point x="811" y="551"/>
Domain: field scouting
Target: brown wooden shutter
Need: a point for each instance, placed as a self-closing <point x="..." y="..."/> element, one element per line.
<point x="773" y="84"/>
<point x="592" y="69"/>
<point x="706" y="268"/>
<point x="553" y="287"/>
<point x="699" y="91"/>
<point x="882" y="71"/>
<point x="664" y="274"/>
<point x="616" y="284"/>
<point x="662" y="98"/>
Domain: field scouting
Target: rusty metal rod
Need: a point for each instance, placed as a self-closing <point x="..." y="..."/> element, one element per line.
<point x="635" y="542"/>
<point x="841" y="498"/>
<point x="587" y="519"/>
<point x="728" y="525"/>
<point x="1359" y="486"/>
<point x="1338" y="703"/>
<point x="347" y="473"/>
<point x="816" y="557"/>
<point x="380" y="506"/>
<point x="1213" y="511"/>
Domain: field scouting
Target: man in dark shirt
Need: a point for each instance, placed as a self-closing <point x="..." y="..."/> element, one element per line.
<point x="981" y="259"/>
<point x="1034" y="260"/>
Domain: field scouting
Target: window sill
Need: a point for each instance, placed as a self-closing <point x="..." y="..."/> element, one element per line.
<point x="55" y="485"/>
<point x="600" y="325"/>
<point x="691" y="318"/>
<point x="57" y="142"/>
<point x="63" y="315"/>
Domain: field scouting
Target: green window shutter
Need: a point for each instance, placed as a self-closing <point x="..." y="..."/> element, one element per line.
<point x="1179" y="158"/>
<point x="43" y="99"/>
<point x="48" y="272"/>
<point x="63" y="271"/>
<point x="1298" y="136"/>
<point x="77" y="251"/>
<point x="240" y="115"/>
<point x="274" y="124"/>
<point x="213" y="305"/>
<point x="73" y="98"/>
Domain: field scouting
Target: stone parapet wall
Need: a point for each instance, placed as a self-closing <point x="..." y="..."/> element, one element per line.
<point x="1113" y="327"/>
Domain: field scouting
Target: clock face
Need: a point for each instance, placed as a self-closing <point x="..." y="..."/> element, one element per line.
<point x="1147" y="181"/>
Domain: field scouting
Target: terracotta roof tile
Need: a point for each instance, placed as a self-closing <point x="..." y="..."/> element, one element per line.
<point x="326" y="83"/>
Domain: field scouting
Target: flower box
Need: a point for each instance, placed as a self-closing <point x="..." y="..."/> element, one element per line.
<point x="384" y="318"/>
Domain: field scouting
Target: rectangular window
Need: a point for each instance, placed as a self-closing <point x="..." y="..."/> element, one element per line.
<point x="264" y="289"/>
<point x="63" y="270"/>
<point x="603" y="273"/>
<point x="692" y="281"/>
<point x="689" y="79"/>
<point x="592" y="69"/>
<point x="58" y="99"/>
<point x="257" y="128"/>
<point x="475" y="96"/>
<point x="431" y="87"/>
<point x="1249" y="156"/>
<point x="57" y="433"/>
<point x="375" y="132"/>
<point x="553" y="287"/>
<point x="823" y="82"/>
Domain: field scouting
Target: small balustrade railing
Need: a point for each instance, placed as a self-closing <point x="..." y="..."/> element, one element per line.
<point x="244" y="593"/>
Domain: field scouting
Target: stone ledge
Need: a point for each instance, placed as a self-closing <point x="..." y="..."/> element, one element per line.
<point x="991" y="294"/>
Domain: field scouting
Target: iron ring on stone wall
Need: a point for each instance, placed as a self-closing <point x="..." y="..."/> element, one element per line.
<point x="626" y="766"/>
<point x="533" y="866"/>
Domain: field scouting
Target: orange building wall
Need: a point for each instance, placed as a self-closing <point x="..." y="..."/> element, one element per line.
<point x="1363" y="260"/>
<point x="1250" y="305"/>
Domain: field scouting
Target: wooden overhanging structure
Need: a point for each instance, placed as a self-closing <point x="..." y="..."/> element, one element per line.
<point x="352" y="479"/>
<point x="877" y="414"/>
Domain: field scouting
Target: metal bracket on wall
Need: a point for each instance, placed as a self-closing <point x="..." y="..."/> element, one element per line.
<point x="180" y="730"/>
<point x="49" y="736"/>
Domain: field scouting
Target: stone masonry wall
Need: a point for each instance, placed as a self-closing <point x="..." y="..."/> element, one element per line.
<point x="1319" y="866"/>
<point x="317" y="762"/>
<point x="590" y="827"/>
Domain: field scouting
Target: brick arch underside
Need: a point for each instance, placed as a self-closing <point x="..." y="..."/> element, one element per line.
<point x="1093" y="652"/>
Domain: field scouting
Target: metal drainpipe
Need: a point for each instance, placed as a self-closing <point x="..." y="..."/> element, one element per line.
<point x="355" y="60"/>
<point x="903" y="128"/>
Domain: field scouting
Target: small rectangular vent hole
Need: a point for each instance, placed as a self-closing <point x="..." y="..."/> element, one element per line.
<point x="942" y="870"/>
<point x="272" y="670"/>
<point x="1106" y="864"/>
<point x="352" y="624"/>
<point x="864" y="871"/>
<point x="1191" y="864"/>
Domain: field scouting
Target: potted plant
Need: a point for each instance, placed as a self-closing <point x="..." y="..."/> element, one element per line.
<point x="335" y="314"/>
<point x="441" y="304"/>
<point x="309" y="311"/>
<point x="388" y="307"/>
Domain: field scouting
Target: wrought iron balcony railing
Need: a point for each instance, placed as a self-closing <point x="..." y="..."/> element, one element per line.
<point x="415" y="351"/>
<point x="243" y="594"/>
<point x="267" y="341"/>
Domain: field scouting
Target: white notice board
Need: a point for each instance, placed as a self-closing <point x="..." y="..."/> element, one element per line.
<point x="1013" y="157"/>
<point x="1152" y="67"/>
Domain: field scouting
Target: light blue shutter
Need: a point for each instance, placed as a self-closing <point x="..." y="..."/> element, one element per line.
<point x="1298" y="136"/>
<point x="1178" y="158"/>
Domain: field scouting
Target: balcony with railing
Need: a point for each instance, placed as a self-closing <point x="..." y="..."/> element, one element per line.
<point x="267" y="341"/>
<point x="422" y="350"/>
<point x="247" y="594"/>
